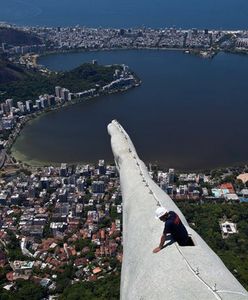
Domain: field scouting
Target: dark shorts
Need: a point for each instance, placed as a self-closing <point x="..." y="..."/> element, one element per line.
<point x="184" y="242"/>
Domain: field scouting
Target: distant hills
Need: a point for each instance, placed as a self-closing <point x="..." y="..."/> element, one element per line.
<point x="10" y="72"/>
<point x="16" y="37"/>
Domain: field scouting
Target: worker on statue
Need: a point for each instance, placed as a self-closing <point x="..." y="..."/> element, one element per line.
<point x="173" y="226"/>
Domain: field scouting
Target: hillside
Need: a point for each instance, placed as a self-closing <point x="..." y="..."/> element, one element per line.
<point x="32" y="84"/>
<point x="17" y="37"/>
<point x="10" y="72"/>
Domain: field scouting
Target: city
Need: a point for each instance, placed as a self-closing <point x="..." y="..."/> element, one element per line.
<point x="61" y="225"/>
<point x="205" y="43"/>
<point x="52" y="217"/>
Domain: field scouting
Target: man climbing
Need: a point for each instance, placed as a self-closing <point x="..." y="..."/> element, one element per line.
<point x="173" y="226"/>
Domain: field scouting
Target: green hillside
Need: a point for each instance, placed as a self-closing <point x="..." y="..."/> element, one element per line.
<point x="29" y="85"/>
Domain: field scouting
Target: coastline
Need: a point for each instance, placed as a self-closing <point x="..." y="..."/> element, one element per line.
<point x="20" y="157"/>
<point x="40" y="163"/>
<point x="23" y="161"/>
<point x="36" y="57"/>
<point x="191" y="51"/>
<point x="205" y="54"/>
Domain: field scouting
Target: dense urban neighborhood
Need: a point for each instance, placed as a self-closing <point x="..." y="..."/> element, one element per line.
<point x="54" y="218"/>
<point x="205" y="42"/>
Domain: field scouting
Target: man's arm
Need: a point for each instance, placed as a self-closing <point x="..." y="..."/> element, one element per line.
<point x="162" y="241"/>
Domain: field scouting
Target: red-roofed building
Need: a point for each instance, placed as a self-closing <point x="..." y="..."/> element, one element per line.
<point x="3" y="234"/>
<point x="55" y="262"/>
<point x="3" y="258"/>
<point x="102" y="234"/>
<point x="227" y="186"/>
<point x="10" y="276"/>
<point x="80" y="262"/>
<point x="93" y="278"/>
<point x="97" y="270"/>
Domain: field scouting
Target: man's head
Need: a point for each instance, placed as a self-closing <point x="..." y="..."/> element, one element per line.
<point x="161" y="213"/>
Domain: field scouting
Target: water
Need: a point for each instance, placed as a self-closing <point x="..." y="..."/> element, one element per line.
<point x="228" y="14"/>
<point x="189" y="113"/>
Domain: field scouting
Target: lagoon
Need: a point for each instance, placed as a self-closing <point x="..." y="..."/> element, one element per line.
<point x="189" y="113"/>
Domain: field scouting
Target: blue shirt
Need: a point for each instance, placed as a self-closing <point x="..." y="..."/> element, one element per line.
<point x="175" y="227"/>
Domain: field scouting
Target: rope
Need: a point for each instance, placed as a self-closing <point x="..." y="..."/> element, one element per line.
<point x="196" y="274"/>
<point x="158" y="203"/>
<point x="232" y="292"/>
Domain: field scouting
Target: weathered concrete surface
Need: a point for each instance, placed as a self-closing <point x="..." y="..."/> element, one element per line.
<point x="175" y="272"/>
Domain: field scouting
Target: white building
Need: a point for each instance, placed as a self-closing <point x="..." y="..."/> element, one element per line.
<point x="228" y="228"/>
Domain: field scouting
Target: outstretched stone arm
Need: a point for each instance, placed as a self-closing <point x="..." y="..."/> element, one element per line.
<point x="175" y="273"/>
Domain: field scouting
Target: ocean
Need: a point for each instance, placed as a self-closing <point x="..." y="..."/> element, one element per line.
<point x="219" y="14"/>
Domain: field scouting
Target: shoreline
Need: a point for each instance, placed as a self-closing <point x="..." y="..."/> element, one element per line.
<point x="196" y="52"/>
<point x="23" y="161"/>
<point x="192" y="51"/>
<point x="19" y="157"/>
<point x="204" y="54"/>
<point x="36" y="163"/>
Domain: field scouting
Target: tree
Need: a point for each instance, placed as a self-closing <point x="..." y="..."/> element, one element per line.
<point x="24" y="290"/>
<point x="64" y="278"/>
<point x="233" y="250"/>
<point x="81" y="243"/>
<point x="13" y="247"/>
<point x="107" y="288"/>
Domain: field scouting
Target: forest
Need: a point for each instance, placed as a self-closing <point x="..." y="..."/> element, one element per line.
<point x="32" y="84"/>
